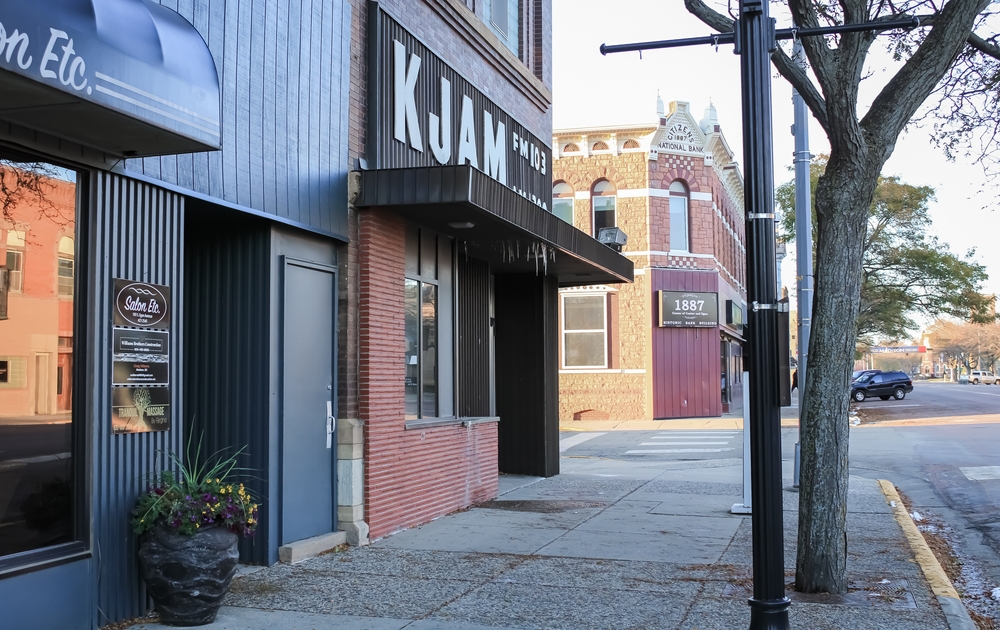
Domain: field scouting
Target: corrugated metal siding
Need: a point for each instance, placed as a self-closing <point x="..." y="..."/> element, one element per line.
<point x="474" y="336"/>
<point x="686" y="362"/>
<point x="527" y="373"/>
<point x="227" y="319"/>
<point x="135" y="231"/>
<point x="284" y="68"/>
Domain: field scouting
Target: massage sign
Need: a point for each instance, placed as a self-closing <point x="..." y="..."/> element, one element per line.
<point x="140" y="339"/>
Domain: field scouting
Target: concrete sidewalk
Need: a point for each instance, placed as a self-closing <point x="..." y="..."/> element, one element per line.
<point x="605" y="545"/>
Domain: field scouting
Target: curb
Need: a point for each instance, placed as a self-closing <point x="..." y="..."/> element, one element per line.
<point x="951" y="604"/>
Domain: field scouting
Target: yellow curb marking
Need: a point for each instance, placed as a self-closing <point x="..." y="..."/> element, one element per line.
<point x="935" y="575"/>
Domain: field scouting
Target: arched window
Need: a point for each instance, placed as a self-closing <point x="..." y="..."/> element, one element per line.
<point x="679" y="217"/>
<point x="603" y="201"/>
<point x="67" y="252"/>
<point x="562" y="201"/>
<point x="571" y="148"/>
<point x="600" y="145"/>
<point x="631" y="143"/>
<point x="15" y="259"/>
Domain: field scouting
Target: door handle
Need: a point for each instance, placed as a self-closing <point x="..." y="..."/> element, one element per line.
<point x="331" y="424"/>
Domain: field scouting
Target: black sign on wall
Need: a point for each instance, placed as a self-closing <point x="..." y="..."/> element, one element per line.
<point x="141" y="304"/>
<point x="688" y="309"/>
<point x="4" y="371"/>
<point x="140" y="409"/>
<point x="140" y="346"/>
<point x="421" y="112"/>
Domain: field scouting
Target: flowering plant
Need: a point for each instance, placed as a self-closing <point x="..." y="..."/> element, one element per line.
<point x="200" y="495"/>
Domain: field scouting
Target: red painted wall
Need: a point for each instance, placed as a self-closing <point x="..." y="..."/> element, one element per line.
<point x="411" y="476"/>
<point x="686" y="368"/>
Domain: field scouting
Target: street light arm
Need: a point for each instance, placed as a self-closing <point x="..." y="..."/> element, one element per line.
<point x="790" y="71"/>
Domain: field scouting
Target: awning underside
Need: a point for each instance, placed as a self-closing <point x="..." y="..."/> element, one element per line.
<point x="510" y="232"/>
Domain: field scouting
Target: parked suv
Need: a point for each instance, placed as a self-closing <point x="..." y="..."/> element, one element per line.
<point x="981" y="376"/>
<point x="885" y="385"/>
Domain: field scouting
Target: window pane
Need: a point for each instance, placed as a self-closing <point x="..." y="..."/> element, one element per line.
<point x="604" y="213"/>
<point x="65" y="276"/>
<point x="678" y="224"/>
<point x="412" y="387"/>
<point x="428" y="363"/>
<point x="563" y="208"/>
<point x="584" y="349"/>
<point x="584" y="312"/>
<point x="36" y="367"/>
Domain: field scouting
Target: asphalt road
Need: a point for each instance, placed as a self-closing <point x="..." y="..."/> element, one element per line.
<point x="946" y="402"/>
<point x="940" y="446"/>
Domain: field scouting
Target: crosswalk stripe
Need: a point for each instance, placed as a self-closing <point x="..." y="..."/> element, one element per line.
<point x="678" y="450"/>
<point x="579" y="438"/>
<point x="712" y="433"/>
<point x="981" y="473"/>
<point x="684" y="443"/>
<point x="691" y="437"/>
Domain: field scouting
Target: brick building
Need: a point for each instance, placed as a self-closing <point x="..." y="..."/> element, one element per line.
<point x="320" y="231"/>
<point x="670" y="344"/>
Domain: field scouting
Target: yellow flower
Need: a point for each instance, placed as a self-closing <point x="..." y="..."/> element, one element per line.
<point x="216" y="480"/>
<point x="208" y="480"/>
<point x="197" y="524"/>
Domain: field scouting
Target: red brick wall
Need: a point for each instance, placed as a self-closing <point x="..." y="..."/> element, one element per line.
<point x="411" y="476"/>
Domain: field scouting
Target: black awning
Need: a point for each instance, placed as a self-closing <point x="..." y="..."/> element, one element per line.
<point x="490" y="221"/>
<point x="128" y="77"/>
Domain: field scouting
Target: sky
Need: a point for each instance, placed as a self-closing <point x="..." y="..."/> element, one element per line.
<point x="591" y="89"/>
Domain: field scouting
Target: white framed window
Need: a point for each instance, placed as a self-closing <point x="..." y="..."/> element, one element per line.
<point x="562" y="201"/>
<point x="584" y="330"/>
<point x="679" y="218"/>
<point x="66" y="266"/>
<point x="15" y="259"/>
<point x="602" y="199"/>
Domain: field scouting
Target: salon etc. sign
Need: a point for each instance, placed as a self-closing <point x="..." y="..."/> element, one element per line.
<point x="430" y="115"/>
<point x="59" y="61"/>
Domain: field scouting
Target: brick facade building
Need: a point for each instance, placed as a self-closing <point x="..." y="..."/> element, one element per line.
<point x="344" y="208"/>
<point x="674" y="188"/>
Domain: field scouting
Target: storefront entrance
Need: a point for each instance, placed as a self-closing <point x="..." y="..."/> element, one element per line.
<point x="308" y="440"/>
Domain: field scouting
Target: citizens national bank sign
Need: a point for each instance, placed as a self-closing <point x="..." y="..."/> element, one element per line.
<point x="422" y="113"/>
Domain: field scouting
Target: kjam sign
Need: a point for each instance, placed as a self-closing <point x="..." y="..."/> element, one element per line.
<point x="426" y="114"/>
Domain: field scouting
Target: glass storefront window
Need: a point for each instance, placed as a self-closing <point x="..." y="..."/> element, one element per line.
<point x="36" y="356"/>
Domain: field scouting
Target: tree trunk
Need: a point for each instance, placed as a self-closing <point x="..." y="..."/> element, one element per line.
<point x="843" y="196"/>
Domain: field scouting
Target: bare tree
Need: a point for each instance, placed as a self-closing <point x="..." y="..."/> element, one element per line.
<point x="859" y="147"/>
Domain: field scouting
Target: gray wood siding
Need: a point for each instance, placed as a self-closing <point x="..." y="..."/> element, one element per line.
<point x="284" y="73"/>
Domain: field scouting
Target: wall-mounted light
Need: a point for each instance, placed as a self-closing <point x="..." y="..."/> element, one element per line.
<point x="462" y="225"/>
<point x="613" y="237"/>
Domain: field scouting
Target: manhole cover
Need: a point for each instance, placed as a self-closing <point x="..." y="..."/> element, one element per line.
<point x="875" y="593"/>
<point x="541" y="506"/>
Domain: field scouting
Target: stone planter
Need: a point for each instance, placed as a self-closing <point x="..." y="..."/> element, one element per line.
<point x="187" y="576"/>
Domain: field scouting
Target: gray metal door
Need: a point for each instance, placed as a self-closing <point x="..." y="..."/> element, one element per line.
<point x="308" y="431"/>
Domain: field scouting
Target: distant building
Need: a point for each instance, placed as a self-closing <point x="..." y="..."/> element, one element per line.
<point x="669" y="345"/>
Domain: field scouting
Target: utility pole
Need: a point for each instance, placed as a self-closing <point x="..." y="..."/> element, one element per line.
<point x="803" y="240"/>
<point x="755" y="38"/>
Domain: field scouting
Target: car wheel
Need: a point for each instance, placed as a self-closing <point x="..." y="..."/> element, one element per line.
<point x="859" y="395"/>
<point x="900" y="394"/>
<point x="975" y="381"/>
<point x="884" y="397"/>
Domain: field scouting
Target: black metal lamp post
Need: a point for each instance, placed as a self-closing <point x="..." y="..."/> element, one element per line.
<point x="755" y="39"/>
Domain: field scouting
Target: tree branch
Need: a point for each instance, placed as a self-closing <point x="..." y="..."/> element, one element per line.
<point x="987" y="48"/>
<point x="796" y="75"/>
<point x="914" y="82"/>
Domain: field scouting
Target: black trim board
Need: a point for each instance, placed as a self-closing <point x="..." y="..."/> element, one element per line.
<point x="507" y="229"/>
